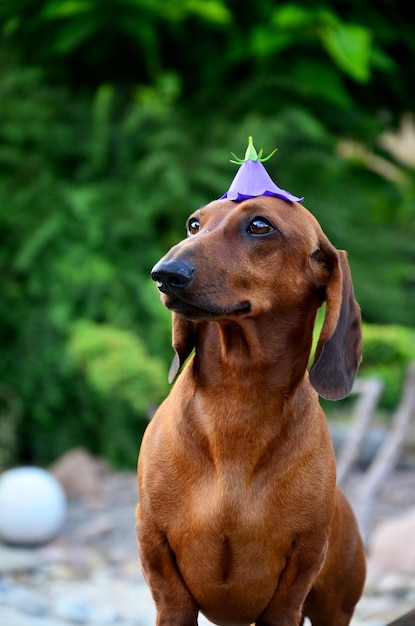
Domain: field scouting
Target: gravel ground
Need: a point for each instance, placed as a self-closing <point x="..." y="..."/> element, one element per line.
<point x="91" y="575"/>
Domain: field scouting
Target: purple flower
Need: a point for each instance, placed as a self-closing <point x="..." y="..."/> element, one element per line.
<point x="252" y="179"/>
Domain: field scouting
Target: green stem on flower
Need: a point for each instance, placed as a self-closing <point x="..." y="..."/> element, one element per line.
<point x="251" y="154"/>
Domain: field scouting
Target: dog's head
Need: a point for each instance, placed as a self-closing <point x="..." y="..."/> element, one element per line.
<point x="263" y="256"/>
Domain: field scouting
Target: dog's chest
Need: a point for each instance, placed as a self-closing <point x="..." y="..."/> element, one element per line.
<point x="219" y="529"/>
<point x="236" y="466"/>
<point x="228" y="507"/>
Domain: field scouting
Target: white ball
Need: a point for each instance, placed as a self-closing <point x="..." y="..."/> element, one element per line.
<point x="32" y="506"/>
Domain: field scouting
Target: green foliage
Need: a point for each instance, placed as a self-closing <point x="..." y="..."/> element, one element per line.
<point x="76" y="245"/>
<point x="387" y="352"/>
<point x="125" y="381"/>
<point x="261" y="55"/>
<point x="10" y="411"/>
<point x="349" y="45"/>
<point x="116" y="364"/>
<point x="123" y="38"/>
<point x="388" y="344"/>
<point x="116" y="121"/>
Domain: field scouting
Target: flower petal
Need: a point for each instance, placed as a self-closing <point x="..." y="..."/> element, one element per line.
<point x="251" y="180"/>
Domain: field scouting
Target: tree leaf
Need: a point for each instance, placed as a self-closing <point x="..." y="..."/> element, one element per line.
<point x="349" y="45"/>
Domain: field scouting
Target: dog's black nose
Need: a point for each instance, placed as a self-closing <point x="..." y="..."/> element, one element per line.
<point x="172" y="276"/>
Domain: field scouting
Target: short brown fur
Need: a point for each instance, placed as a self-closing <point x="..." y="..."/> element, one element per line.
<point x="239" y="516"/>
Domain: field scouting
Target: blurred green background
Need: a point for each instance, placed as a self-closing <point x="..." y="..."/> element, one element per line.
<point x="117" y="119"/>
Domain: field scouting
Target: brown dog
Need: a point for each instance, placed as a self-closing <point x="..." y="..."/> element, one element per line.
<point x="239" y="515"/>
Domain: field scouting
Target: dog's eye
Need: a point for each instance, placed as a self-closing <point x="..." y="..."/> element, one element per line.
<point x="260" y="226"/>
<point x="193" y="226"/>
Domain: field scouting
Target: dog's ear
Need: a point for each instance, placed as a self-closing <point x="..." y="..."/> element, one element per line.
<point x="339" y="348"/>
<point x="184" y="336"/>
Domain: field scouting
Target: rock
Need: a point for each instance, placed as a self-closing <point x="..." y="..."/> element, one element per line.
<point x="70" y="561"/>
<point x="72" y="611"/>
<point x="81" y="475"/>
<point x="12" y="617"/>
<point x="27" y="601"/>
<point x="378" y="610"/>
<point x="94" y="528"/>
<point x="404" y="620"/>
<point x="393" y="583"/>
<point x="14" y="560"/>
<point x="392" y="548"/>
<point x="105" y="617"/>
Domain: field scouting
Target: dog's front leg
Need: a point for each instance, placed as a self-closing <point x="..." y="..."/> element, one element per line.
<point x="175" y="606"/>
<point x="302" y="567"/>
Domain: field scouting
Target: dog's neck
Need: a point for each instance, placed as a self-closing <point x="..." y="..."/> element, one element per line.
<point x="249" y="383"/>
<point x="272" y="352"/>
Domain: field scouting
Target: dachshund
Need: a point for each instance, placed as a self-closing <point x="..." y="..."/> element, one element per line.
<point x="239" y="516"/>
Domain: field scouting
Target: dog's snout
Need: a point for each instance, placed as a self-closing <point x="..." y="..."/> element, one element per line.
<point x="172" y="276"/>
